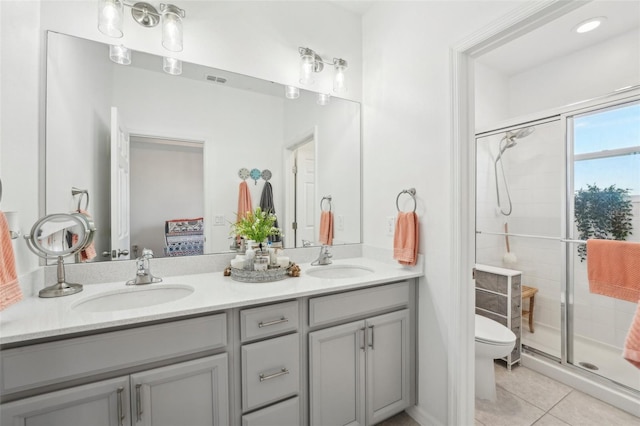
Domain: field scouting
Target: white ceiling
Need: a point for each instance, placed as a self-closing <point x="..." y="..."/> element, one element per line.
<point x="557" y="38"/>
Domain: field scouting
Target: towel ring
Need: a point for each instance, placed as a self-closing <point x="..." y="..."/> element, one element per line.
<point x="82" y="192"/>
<point x="328" y="198"/>
<point x="412" y="193"/>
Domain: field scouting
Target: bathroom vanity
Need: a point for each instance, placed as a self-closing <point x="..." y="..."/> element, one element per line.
<point x="303" y="351"/>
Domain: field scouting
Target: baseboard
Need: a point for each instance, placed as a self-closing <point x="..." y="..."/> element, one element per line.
<point x="422" y="417"/>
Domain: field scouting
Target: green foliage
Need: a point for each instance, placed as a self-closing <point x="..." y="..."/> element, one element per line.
<point x="256" y="226"/>
<point x="603" y="214"/>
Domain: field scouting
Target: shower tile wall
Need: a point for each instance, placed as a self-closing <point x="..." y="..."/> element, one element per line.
<point x="535" y="170"/>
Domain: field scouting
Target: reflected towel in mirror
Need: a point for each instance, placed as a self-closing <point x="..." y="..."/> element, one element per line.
<point x="10" y="291"/>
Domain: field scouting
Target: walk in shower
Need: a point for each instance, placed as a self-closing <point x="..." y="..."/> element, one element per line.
<point x="531" y="179"/>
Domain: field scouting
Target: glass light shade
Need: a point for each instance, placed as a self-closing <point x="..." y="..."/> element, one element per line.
<point x="339" y="79"/>
<point x="110" y="17"/>
<point x="307" y="65"/>
<point x="323" y="98"/>
<point x="172" y="66"/>
<point x="120" y="54"/>
<point x="291" y="92"/>
<point x="172" y="29"/>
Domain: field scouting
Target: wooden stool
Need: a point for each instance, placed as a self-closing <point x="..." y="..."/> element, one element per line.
<point x="529" y="293"/>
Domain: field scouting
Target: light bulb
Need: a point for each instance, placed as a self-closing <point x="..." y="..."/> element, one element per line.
<point x="291" y="92"/>
<point x="307" y="64"/>
<point x="171" y="28"/>
<point x="110" y="17"/>
<point x="172" y="66"/>
<point x="339" y="79"/>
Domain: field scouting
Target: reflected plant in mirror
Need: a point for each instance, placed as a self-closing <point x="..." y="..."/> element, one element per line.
<point x="152" y="147"/>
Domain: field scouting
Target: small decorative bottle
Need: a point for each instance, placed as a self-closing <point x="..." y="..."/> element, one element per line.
<point x="250" y="255"/>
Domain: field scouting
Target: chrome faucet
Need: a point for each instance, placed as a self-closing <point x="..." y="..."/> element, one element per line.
<point x="143" y="270"/>
<point x="324" y="258"/>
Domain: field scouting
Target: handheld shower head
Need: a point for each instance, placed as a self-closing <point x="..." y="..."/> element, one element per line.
<point x="523" y="133"/>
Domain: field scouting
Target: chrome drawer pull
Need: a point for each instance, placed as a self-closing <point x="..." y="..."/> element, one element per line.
<point x="274" y="322"/>
<point x="274" y="375"/>
<point x="120" y="412"/>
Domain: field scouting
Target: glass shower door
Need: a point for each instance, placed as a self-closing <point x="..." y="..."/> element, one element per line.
<point x="603" y="199"/>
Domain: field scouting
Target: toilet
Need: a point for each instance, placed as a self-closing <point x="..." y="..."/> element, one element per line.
<point x="493" y="340"/>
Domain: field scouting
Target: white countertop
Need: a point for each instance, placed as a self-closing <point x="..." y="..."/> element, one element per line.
<point x="36" y="318"/>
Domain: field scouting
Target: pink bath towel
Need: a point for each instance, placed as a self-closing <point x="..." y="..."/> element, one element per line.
<point x="613" y="268"/>
<point x="326" y="228"/>
<point x="406" y="238"/>
<point x="10" y="291"/>
<point x="631" y="350"/>
<point x="244" y="201"/>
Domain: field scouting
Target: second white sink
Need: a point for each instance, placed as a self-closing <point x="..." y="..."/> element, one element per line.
<point x="132" y="298"/>
<point x="339" y="271"/>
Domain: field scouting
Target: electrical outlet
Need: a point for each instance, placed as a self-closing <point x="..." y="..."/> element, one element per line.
<point x="218" y="220"/>
<point x="391" y="225"/>
<point x="340" y="223"/>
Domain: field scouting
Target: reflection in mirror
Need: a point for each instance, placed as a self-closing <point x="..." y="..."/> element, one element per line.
<point x="152" y="148"/>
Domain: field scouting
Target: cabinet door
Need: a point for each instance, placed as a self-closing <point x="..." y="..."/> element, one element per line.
<point x="103" y="403"/>
<point x="336" y="375"/>
<point x="388" y="358"/>
<point x="193" y="393"/>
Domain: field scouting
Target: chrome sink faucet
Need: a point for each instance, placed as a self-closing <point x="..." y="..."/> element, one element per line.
<point x="324" y="258"/>
<point x="143" y="270"/>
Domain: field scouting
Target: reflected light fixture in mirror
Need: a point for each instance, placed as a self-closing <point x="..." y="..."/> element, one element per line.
<point x="291" y="92"/>
<point x="172" y="66"/>
<point x="172" y="27"/>
<point x="120" y="54"/>
<point x="323" y="98"/>
<point x="110" y="14"/>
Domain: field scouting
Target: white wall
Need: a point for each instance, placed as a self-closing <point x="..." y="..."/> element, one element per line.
<point x="407" y="133"/>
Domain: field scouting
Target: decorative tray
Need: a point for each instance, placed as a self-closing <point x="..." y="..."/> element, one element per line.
<point x="273" y="274"/>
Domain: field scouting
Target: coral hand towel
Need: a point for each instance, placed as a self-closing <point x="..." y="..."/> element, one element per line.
<point x="10" y="291"/>
<point x="326" y="228"/>
<point x="405" y="239"/>
<point x="613" y="268"/>
<point x="244" y="201"/>
<point x="631" y="350"/>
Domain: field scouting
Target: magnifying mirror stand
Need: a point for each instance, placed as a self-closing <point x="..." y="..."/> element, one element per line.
<point x="62" y="288"/>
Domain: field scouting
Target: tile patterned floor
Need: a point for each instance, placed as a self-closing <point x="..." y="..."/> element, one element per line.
<point x="526" y="398"/>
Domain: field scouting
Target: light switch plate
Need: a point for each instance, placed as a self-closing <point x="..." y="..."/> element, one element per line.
<point x="391" y="225"/>
<point x="218" y="220"/>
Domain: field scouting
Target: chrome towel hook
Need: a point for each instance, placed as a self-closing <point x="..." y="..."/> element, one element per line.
<point x="82" y="192"/>
<point x="328" y="198"/>
<point x="412" y="193"/>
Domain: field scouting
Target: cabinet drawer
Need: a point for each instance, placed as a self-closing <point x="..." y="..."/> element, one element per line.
<point x="268" y="320"/>
<point x="286" y="413"/>
<point x="47" y="363"/>
<point x="270" y="371"/>
<point x="497" y="302"/>
<point x="343" y="306"/>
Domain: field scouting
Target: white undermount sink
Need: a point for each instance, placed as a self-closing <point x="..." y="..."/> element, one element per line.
<point x="132" y="298"/>
<point x="339" y="271"/>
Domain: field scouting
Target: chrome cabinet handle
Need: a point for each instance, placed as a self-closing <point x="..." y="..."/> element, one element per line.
<point x="120" y="412"/>
<point x="282" y="372"/>
<point x="371" y="341"/>
<point x="139" y="402"/>
<point x="363" y="338"/>
<point x="274" y="322"/>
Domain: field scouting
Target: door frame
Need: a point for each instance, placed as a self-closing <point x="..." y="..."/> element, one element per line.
<point x="461" y="351"/>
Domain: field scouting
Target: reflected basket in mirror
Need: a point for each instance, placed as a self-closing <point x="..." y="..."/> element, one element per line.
<point x="184" y="237"/>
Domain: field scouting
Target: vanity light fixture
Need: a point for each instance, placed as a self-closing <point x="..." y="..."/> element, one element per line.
<point x="172" y="66"/>
<point x="589" y="25"/>
<point x="120" y="54"/>
<point x="111" y="17"/>
<point x="323" y="99"/>
<point x="291" y="92"/>
<point x="311" y="62"/>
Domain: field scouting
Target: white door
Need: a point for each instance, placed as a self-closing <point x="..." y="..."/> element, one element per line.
<point x="103" y="403"/>
<point x="306" y="193"/>
<point x="337" y="375"/>
<point x="190" y="393"/>
<point x="388" y="358"/>
<point x="120" y="177"/>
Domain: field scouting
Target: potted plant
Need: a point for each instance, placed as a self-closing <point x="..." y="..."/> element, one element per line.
<point x="256" y="226"/>
<point x="602" y="213"/>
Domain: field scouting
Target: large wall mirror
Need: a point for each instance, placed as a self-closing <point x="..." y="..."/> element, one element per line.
<point x="150" y="147"/>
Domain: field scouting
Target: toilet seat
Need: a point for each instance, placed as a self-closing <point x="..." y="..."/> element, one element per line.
<point x="491" y="332"/>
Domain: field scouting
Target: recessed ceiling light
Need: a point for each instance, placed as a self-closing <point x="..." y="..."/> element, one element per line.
<point x="589" y="25"/>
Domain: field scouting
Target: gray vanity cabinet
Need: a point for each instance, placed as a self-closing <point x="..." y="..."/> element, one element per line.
<point x="103" y="403"/>
<point x="360" y="372"/>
